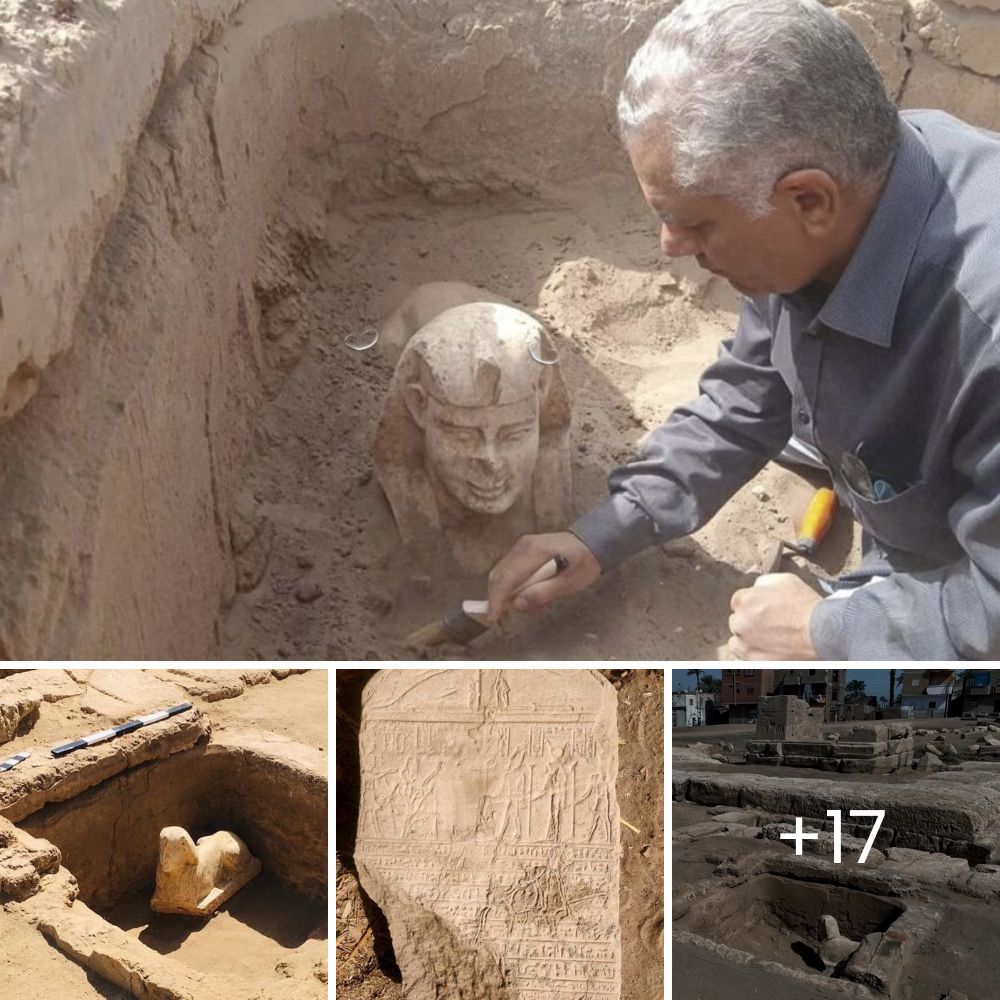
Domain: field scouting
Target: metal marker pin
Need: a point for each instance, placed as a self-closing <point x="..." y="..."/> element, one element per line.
<point x="543" y="354"/>
<point x="363" y="340"/>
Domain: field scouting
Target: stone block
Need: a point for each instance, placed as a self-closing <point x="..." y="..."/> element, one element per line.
<point x="764" y="748"/>
<point x="868" y="734"/>
<point x="859" y="765"/>
<point x="869" y="750"/>
<point x="488" y="829"/>
<point x="803" y="748"/>
<point x="781" y="717"/>
<point x="706" y="790"/>
<point x="819" y="763"/>
<point x="918" y="841"/>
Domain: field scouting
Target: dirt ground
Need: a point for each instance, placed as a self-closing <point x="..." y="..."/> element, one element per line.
<point x="252" y="936"/>
<point x="323" y="575"/>
<point x="365" y="968"/>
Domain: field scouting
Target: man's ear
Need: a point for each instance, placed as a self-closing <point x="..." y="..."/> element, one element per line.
<point x="416" y="402"/>
<point x="815" y="198"/>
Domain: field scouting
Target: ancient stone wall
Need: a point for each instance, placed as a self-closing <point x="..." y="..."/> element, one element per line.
<point x="144" y="152"/>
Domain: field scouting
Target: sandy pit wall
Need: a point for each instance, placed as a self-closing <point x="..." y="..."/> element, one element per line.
<point x="149" y="161"/>
<point x="109" y="835"/>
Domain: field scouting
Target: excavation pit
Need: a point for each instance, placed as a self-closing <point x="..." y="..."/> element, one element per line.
<point x="777" y="918"/>
<point x="272" y="933"/>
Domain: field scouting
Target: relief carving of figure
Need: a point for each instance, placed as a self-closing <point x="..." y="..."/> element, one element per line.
<point x="556" y="789"/>
<point x="597" y="795"/>
<point x="472" y="448"/>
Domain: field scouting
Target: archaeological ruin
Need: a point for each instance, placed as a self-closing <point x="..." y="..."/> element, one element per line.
<point x="836" y="860"/>
<point x="182" y="858"/>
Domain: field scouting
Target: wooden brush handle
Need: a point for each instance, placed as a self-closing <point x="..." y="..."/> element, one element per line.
<point x="544" y="572"/>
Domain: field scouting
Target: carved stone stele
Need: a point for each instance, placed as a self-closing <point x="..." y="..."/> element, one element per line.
<point x="488" y="831"/>
<point x="472" y="448"/>
<point x="197" y="879"/>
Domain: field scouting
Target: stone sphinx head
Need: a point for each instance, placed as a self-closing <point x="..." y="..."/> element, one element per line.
<point x="474" y="429"/>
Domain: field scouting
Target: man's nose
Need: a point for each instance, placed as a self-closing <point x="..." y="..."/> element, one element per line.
<point x="677" y="243"/>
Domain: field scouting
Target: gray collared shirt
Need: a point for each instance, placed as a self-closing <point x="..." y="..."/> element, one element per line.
<point x="895" y="372"/>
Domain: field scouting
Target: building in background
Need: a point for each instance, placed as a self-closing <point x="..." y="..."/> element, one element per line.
<point x="981" y="692"/>
<point x="927" y="694"/>
<point x="824" y="689"/>
<point x="741" y="690"/>
<point x="691" y="708"/>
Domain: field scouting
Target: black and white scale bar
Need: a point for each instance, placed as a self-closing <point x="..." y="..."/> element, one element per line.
<point x="10" y="762"/>
<point x="125" y="727"/>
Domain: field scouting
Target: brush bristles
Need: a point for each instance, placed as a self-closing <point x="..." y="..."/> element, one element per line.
<point x="430" y="635"/>
<point x="456" y="626"/>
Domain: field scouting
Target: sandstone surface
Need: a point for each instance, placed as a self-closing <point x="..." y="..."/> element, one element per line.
<point x="489" y="828"/>
<point x="14" y="709"/>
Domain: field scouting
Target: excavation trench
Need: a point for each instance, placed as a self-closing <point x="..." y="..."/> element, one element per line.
<point x="778" y="918"/>
<point x="194" y="475"/>
<point x="271" y="933"/>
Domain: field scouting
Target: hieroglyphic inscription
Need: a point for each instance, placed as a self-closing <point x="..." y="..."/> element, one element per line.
<point x="488" y="801"/>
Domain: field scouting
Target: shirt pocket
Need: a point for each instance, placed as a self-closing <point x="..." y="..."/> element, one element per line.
<point x="915" y="520"/>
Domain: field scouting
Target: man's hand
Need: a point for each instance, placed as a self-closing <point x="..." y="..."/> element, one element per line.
<point x="529" y="553"/>
<point x="770" y="620"/>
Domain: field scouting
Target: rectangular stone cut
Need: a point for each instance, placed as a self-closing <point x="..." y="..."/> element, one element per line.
<point x="488" y="831"/>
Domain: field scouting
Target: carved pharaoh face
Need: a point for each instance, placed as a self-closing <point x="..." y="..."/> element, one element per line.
<point x="482" y="456"/>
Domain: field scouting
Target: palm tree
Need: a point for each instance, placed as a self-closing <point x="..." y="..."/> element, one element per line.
<point x="855" y="691"/>
<point x="697" y="679"/>
<point x="712" y="685"/>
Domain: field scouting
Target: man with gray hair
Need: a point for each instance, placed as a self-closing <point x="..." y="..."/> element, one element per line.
<point x="865" y="243"/>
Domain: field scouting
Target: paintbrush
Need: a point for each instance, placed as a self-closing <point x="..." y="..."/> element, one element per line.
<point x="464" y="622"/>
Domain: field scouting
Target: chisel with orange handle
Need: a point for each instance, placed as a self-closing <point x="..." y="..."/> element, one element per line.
<point x="819" y="516"/>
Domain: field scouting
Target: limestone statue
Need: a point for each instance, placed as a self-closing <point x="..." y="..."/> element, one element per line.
<point x="472" y="449"/>
<point x="197" y="879"/>
<point x="834" y="947"/>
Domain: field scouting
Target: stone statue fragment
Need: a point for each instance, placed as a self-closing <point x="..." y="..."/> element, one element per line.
<point x="472" y="449"/>
<point x="197" y="878"/>
<point x="488" y="831"/>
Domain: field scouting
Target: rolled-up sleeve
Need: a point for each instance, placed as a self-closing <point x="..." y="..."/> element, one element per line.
<point x="705" y="451"/>
<point x="951" y="612"/>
